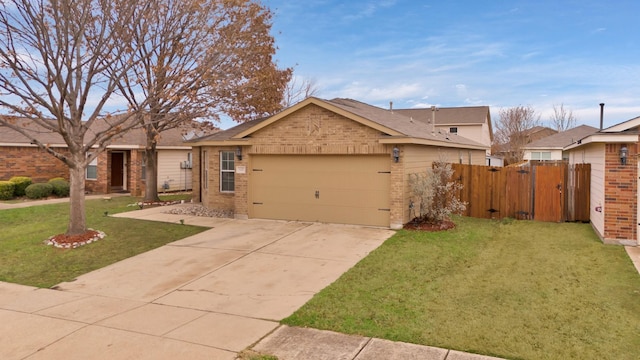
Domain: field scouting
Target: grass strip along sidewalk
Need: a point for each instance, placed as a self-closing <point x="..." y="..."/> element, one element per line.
<point x="24" y="259"/>
<point x="512" y="289"/>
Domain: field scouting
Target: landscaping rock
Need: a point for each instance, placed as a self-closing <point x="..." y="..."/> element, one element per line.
<point x="199" y="210"/>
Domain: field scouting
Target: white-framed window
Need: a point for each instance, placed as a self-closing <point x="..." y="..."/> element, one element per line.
<point x="453" y="130"/>
<point x="227" y="171"/>
<point x="541" y="155"/>
<point x="92" y="169"/>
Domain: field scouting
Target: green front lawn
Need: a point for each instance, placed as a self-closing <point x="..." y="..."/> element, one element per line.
<point x="24" y="259"/>
<point x="518" y="290"/>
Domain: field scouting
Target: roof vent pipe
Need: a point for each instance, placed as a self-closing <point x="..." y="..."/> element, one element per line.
<point x="390" y="105"/>
<point x="601" y="114"/>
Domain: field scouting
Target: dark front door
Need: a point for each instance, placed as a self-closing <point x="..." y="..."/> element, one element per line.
<point x="117" y="170"/>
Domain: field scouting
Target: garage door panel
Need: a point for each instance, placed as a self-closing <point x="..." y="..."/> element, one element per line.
<point x="350" y="189"/>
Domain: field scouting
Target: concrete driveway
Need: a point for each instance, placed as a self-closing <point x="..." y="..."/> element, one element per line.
<point x="208" y="296"/>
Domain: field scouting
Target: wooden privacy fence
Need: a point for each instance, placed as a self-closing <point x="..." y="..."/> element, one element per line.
<point x="540" y="191"/>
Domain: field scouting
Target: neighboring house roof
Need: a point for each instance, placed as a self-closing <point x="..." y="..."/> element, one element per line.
<point x="536" y="129"/>
<point x="449" y="115"/>
<point x="134" y="138"/>
<point x="398" y="127"/>
<point x="562" y="139"/>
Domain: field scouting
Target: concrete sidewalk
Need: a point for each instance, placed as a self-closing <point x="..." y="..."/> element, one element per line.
<point x="311" y="344"/>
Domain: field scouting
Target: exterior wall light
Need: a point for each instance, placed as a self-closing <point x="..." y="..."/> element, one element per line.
<point x="396" y="154"/>
<point x="624" y="152"/>
<point x="239" y="153"/>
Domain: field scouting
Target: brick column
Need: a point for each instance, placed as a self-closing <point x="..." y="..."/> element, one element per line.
<point x="241" y="206"/>
<point x="135" y="173"/>
<point x="620" y="186"/>
<point x="396" y="216"/>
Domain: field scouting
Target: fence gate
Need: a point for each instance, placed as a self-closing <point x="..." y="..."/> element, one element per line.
<point x="542" y="191"/>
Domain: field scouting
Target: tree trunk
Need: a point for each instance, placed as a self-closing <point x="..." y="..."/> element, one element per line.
<point x="151" y="163"/>
<point x="77" y="216"/>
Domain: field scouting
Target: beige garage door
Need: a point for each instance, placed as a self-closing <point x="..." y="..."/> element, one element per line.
<point x="323" y="188"/>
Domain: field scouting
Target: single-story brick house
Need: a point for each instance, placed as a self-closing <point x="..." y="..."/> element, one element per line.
<point x="119" y="169"/>
<point x="613" y="155"/>
<point x="338" y="161"/>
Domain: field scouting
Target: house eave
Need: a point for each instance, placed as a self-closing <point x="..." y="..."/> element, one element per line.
<point x="230" y="142"/>
<point x="429" y="142"/>
<point x="604" y="138"/>
<point x="543" y="148"/>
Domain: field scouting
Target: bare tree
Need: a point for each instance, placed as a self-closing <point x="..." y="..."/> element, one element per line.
<point x="511" y="131"/>
<point x="299" y="89"/>
<point x="562" y="119"/>
<point x="200" y="59"/>
<point x="56" y="58"/>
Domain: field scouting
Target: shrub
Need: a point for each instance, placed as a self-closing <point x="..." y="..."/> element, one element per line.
<point x="60" y="187"/>
<point x="434" y="194"/>
<point x="38" y="191"/>
<point x="21" y="184"/>
<point x="7" y="190"/>
<point x="56" y="178"/>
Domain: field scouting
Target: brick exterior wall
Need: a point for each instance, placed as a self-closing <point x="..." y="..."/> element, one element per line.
<point x="315" y="130"/>
<point x="100" y="185"/>
<point x="620" y="184"/>
<point x="217" y="199"/>
<point x="41" y="166"/>
<point x="32" y="162"/>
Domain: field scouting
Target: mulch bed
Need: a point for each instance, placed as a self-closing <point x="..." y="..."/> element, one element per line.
<point x="429" y="226"/>
<point x="64" y="241"/>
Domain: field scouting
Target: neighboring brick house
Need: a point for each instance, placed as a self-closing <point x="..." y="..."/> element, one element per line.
<point x="338" y="161"/>
<point x="613" y="155"/>
<point x="119" y="169"/>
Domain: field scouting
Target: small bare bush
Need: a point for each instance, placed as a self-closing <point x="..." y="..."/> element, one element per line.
<point x="434" y="195"/>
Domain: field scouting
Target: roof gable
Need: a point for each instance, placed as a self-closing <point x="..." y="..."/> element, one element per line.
<point x="624" y="126"/>
<point x="362" y="113"/>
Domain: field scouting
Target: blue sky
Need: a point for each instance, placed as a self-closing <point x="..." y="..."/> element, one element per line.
<point x="464" y="53"/>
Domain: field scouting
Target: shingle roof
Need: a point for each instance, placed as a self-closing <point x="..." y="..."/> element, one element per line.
<point x="135" y="137"/>
<point x="563" y="138"/>
<point x="399" y="122"/>
<point x="229" y="133"/>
